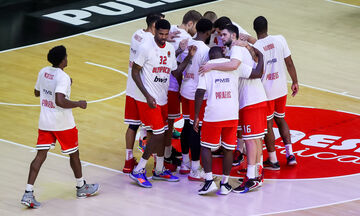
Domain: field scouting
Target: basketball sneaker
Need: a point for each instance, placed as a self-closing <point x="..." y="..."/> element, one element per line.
<point x="247" y="185"/>
<point x="129" y="165"/>
<point x="208" y="187"/>
<point x="197" y="175"/>
<point x="87" y="190"/>
<point x="238" y="158"/>
<point x="291" y="160"/>
<point x="172" y="162"/>
<point x="271" y="166"/>
<point x="225" y="188"/>
<point x="165" y="175"/>
<point x="29" y="200"/>
<point x="185" y="168"/>
<point x="140" y="178"/>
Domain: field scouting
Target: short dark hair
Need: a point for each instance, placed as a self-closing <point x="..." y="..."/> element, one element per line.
<point x="260" y="25"/>
<point x="56" y="55"/>
<point x="233" y="29"/>
<point x="211" y="15"/>
<point x="204" y="25"/>
<point x="162" y="24"/>
<point x="153" y="17"/>
<point x="216" y="52"/>
<point x="222" y="22"/>
<point x="191" y="15"/>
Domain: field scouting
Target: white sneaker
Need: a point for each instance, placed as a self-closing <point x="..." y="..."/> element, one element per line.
<point x="208" y="187"/>
<point x="225" y="188"/>
<point x="197" y="175"/>
<point x="185" y="168"/>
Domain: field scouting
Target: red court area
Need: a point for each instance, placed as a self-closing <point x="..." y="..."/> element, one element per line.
<point x="326" y="144"/>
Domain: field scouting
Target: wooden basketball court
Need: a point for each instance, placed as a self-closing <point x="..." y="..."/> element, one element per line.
<point x="324" y="37"/>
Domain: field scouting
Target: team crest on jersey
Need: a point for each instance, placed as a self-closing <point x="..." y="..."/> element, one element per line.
<point x="169" y="53"/>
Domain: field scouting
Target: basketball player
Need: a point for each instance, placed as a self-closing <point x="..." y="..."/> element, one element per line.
<point x="188" y="89"/>
<point x="187" y="30"/>
<point x="56" y="122"/>
<point x="153" y="63"/>
<point x="132" y="116"/>
<point x="252" y="99"/>
<point x="276" y="55"/>
<point x="219" y="25"/>
<point x="223" y="94"/>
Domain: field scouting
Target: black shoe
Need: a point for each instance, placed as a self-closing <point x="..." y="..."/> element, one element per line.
<point x="238" y="158"/>
<point x="225" y="188"/>
<point x="271" y="166"/>
<point x="208" y="187"/>
<point x="247" y="185"/>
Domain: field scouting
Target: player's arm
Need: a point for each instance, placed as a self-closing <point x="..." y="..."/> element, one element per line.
<point x="62" y="102"/>
<point x="292" y="72"/>
<point x="181" y="67"/>
<point x="233" y="64"/>
<point x="199" y="97"/>
<point x="247" y="38"/>
<point x="182" y="46"/>
<point x="36" y="93"/>
<point x="258" y="71"/>
<point x="135" y="74"/>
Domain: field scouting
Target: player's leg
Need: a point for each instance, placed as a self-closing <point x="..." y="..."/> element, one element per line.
<point x="68" y="140"/>
<point x="197" y="172"/>
<point x="272" y="162"/>
<point x="279" y="116"/>
<point x="184" y="137"/>
<point x="45" y="140"/>
<point x="171" y="161"/>
<point x="228" y="142"/>
<point x="210" y="137"/>
<point x="132" y="118"/>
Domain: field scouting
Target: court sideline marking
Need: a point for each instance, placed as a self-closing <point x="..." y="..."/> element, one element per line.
<point x="342" y="3"/>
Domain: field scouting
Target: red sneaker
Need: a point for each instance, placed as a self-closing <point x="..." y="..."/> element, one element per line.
<point x="129" y="165"/>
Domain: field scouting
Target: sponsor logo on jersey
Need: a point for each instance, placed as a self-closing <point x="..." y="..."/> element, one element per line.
<point x="222" y="80"/>
<point x="48" y="76"/>
<point x="161" y="80"/>
<point x="223" y="94"/>
<point x="269" y="47"/>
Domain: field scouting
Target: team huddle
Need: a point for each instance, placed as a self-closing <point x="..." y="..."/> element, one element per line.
<point x="228" y="86"/>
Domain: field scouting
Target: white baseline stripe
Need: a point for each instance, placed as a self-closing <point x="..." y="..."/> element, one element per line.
<point x="312" y="207"/>
<point x="330" y="91"/>
<point x="342" y="3"/>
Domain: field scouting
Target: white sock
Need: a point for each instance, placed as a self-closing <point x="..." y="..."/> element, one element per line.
<point x="143" y="132"/>
<point x="251" y="171"/>
<point x="208" y="176"/>
<point x="195" y="165"/>
<point x="240" y="145"/>
<point x="185" y="158"/>
<point x="80" y="182"/>
<point x="272" y="157"/>
<point x="159" y="164"/>
<point x="289" y="150"/>
<point x="129" y="154"/>
<point x="261" y="160"/>
<point x="141" y="165"/>
<point x="167" y="152"/>
<point x="225" y="179"/>
<point x="29" y="187"/>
